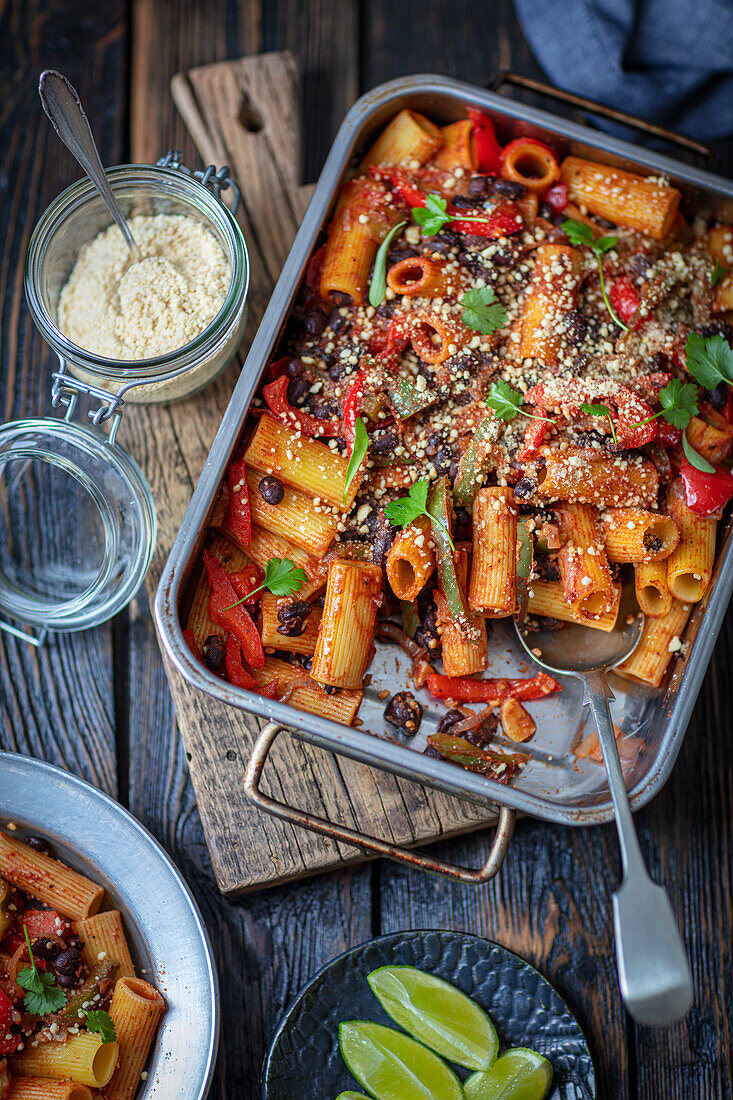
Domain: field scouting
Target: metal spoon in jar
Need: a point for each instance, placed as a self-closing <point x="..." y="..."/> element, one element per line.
<point x="62" y="105"/>
<point x="654" y="974"/>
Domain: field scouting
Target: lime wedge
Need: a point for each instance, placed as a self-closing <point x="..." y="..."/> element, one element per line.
<point x="437" y="1014"/>
<point x="393" y="1066"/>
<point x="520" y="1074"/>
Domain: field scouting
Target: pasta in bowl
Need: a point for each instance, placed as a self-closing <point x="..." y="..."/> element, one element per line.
<point x="497" y="389"/>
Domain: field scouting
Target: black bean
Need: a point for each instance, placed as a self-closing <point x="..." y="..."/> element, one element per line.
<point x="396" y="254"/>
<point x="464" y="202"/>
<point x="38" y="844"/>
<point x="324" y="410"/>
<point x="387" y="308"/>
<point x="483" y="734"/>
<point x="545" y="211"/>
<point x="46" y="949"/>
<point x="443" y="241"/>
<point x="214" y="651"/>
<point x="297" y="609"/>
<point x="297" y="389"/>
<point x="330" y="690"/>
<point x="293" y="628"/>
<point x="294" y="368"/>
<point x="432" y="752"/>
<point x="271" y="490"/>
<point x="341" y="298"/>
<point x="477" y="186"/>
<point x="68" y="961"/>
<point x="525" y="487"/>
<point x="509" y="188"/>
<point x="718" y="328"/>
<point x="547" y="568"/>
<point x="449" y="720"/>
<point x="337" y="323"/>
<point x="336" y="370"/>
<point x="383" y="443"/>
<point x="67" y="981"/>
<point x="315" y="323"/>
<point x="718" y="397"/>
<point x="463" y="523"/>
<point x="404" y="711"/>
<point x="443" y="461"/>
<point x="544" y="623"/>
<point x="306" y="662"/>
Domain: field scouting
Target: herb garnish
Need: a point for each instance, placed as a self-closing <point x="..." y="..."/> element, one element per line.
<point x="719" y="273"/>
<point x="282" y="578"/>
<point x="378" y="285"/>
<point x="407" y="509"/>
<point x="601" y="410"/>
<point x="101" y="1021"/>
<point x="678" y="401"/>
<point x="709" y="360"/>
<point x="507" y="402"/>
<point x="434" y="215"/>
<point x="581" y="234"/>
<point x="42" y="993"/>
<point x="695" y="458"/>
<point x="361" y="444"/>
<point x="482" y="312"/>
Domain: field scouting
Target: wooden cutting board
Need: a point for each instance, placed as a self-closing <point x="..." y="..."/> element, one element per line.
<point x="246" y="114"/>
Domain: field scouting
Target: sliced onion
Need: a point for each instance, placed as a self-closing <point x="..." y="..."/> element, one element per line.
<point x="421" y="667"/>
<point x="472" y="723"/>
<point x="298" y="682"/>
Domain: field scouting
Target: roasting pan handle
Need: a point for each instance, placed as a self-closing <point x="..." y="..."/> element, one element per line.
<point x="344" y="835"/>
<point x="506" y="76"/>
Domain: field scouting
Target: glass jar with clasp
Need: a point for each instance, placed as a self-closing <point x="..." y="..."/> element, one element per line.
<point x="78" y="514"/>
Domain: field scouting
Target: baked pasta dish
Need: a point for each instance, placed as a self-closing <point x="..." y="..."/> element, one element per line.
<point x="76" y="1022"/>
<point x="505" y="380"/>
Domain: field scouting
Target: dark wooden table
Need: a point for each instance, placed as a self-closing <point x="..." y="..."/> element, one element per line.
<point x="98" y="702"/>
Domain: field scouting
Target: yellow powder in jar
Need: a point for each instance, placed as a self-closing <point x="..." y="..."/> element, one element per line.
<point x="124" y="310"/>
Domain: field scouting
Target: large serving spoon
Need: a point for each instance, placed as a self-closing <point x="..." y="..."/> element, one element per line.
<point x="62" y="105"/>
<point x="654" y="975"/>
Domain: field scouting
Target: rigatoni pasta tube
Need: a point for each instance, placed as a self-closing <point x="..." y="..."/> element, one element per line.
<point x="635" y="535"/>
<point x="346" y="637"/>
<point x="43" y="1088"/>
<point x="305" y="643"/>
<point x="266" y="545"/>
<point x="351" y="246"/>
<point x="436" y="338"/>
<point x="459" y="147"/>
<point x="660" y="639"/>
<point x="300" y="462"/>
<point x="551" y="294"/>
<point x="461" y="656"/>
<point x="547" y="598"/>
<point x="690" y="566"/>
<point x="294" y="518"/>
<point x="652" y="588"/>
<point x="583" y="565"/>
<point x="623" y="198"/>
<point x="104" y="940"/>
<point x="83" y="1057"/>
<point x="48" y="880"/>
<point x="136" y="1010"/>
<point x="493" y="586"/>
<point x="411" y="560"/>
<point x="422" y="277"/>
<point x="409" y="136"/>
<point x="304" y="693"/>
<point x="605" y="482"/>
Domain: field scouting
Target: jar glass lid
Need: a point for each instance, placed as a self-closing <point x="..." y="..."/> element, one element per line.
<point x="77" y="525"/>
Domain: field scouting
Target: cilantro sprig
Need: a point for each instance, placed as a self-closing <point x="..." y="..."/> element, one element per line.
<point x="601" y="410"/>
<point x="507" y="402"/>
<point x="709" y="360"/>
<point x="100" y="1021"/>
<point x="282" y="578"/>
<point x="718" y="274"/>
<point x="407" y="509"/>
<point x="481" y="310"/>
<point x="361" y="444"/>
<point x="695" y="458"/>
<point x="679" y="405"/>
<point x="578" y="234"/>
<point x="42" y="992"/>
<point x="434" y="215"/>
<point x="378" y="285"/>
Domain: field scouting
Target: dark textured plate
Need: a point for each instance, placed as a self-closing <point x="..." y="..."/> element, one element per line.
<point x="304" y="1062"/>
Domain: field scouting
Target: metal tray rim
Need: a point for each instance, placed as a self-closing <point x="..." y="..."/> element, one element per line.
<point x="326" y="733"/>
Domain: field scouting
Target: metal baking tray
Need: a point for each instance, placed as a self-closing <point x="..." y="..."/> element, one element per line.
<point x="554" y="785"/>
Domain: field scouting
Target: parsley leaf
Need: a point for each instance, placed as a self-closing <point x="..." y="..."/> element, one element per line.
<point x="361" y="443"/>
<point x="601" y="410"/>
<point x="679" y="403"/>
<point x="281" y="577"/>
<point x="507" y="402"/>
<point x="42" y="993"/>
<point x="378" y="285"/>
<point x="407" y="509"/>
<point x="578" y="233"/>
<point x="482" y="312"/>
<point x="694" y="458"/>
<point x="709" y="360"/>
<point x="718" y="274"/>
<point x="101" y="1021"/>
<point x="433" y="216"/>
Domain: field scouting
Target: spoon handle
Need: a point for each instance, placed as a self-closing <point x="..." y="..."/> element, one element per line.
<point x="654" y="974"/>
<point x="62" y="105"/>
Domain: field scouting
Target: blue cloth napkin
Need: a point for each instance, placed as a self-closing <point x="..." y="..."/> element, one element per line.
<point x="669" y="61"/>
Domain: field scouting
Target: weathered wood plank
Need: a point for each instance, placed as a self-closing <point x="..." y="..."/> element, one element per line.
<point x="57" y="703"/>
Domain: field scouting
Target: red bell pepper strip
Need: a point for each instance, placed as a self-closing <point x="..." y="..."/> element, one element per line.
<point x="488" y="150"/>
<point x="668" y="435"/>
<point x="631" y="411"/>
<point x="276" y="395"/>
<point x="462" y="689"/>
<point x="624" y="298"/>
<point x="238" y="675"/>
<point x="43" y="922"/>
<point x="190" y="639"/>
<point x="313" y="271"/>
<point x="9" y="1042"/>
<point x="534" y="435"/>
<point x="501" y="221"/>
<point x="235" y="619"/>
<point x="351" y="402"/>
<point x="556" y="196"/>
<point x="403" y="185"/>
<point x="239" y="517"/>
<point x="245" y="580"/>
<point x="706" y="493"/>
